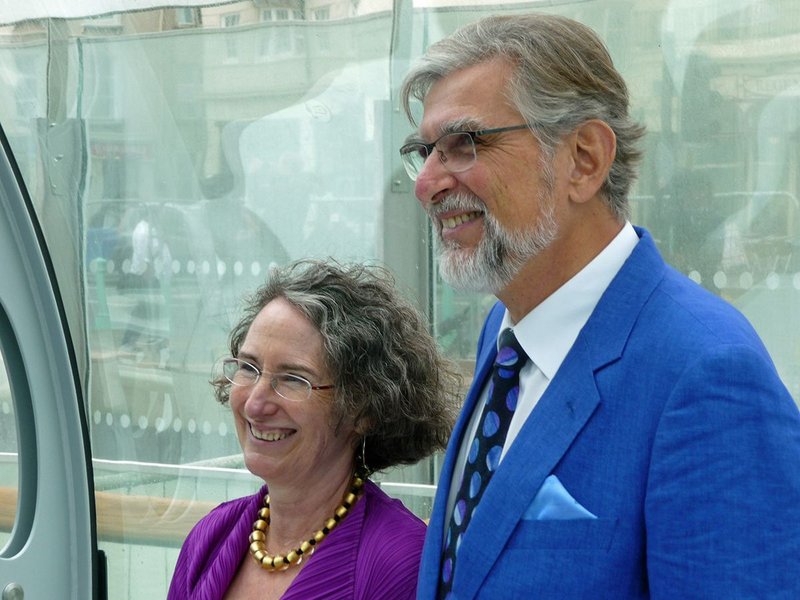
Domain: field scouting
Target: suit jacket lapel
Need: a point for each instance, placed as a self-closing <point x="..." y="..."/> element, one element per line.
<point x="548" y="432"/>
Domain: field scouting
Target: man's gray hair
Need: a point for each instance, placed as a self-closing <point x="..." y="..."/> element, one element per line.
<point x="564" y="76"/>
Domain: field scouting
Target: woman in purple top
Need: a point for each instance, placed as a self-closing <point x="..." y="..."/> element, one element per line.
<point x="332" y="376"/>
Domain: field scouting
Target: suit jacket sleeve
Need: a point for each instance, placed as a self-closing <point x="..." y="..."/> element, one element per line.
<point x="723" y="492"/>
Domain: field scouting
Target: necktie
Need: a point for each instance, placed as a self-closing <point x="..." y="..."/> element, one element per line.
<point x="485" y="449"/>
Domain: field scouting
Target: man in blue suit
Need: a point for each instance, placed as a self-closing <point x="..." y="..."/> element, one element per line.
<point x="651" y="449"/>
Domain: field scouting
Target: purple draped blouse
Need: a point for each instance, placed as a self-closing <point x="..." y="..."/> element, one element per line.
<point x="373" y="553"/>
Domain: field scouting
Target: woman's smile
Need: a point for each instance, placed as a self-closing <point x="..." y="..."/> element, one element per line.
<point x="270" y="435"/>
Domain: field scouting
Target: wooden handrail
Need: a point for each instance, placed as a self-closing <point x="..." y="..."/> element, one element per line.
<point x="147" y="520"/>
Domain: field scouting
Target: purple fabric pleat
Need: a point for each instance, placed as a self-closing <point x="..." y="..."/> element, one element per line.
<point x="372" y="554"/>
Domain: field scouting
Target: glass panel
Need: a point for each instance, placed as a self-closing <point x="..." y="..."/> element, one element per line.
<point x="191" y="197"/>
<point x="9" y="465"/>
<point x="720" y="188"/>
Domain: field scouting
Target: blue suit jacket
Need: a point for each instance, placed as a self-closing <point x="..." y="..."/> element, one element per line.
<point x="668" y="422"/>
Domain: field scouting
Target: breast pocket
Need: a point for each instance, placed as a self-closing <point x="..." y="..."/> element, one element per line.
<point x="569" y="534"/>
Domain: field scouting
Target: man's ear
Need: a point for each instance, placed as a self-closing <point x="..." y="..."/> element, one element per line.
<point x="593" y="147"/>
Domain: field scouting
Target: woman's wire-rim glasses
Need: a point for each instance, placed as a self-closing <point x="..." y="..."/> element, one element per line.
<point x="456" y="150"/>
<point x="291" y="387"/>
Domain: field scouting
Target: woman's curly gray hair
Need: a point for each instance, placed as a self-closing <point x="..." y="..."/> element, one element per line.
<point x="391" y="381"/>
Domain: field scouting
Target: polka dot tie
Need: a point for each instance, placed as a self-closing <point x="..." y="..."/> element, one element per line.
<point x="485" y="449"/>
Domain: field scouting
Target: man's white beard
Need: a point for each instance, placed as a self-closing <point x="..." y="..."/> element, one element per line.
<point x="501" y="253"/>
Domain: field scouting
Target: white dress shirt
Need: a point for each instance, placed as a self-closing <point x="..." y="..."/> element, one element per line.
<point x="547" y="334"/>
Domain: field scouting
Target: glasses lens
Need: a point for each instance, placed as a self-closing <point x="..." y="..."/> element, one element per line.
<point x="239" y="372"/>
<point x="458" y="151"/>
<point x="291" y="387"/>
<point x="414" y="156"/>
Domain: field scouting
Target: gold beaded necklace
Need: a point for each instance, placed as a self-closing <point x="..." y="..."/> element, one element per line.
<point x="280" y="562"/>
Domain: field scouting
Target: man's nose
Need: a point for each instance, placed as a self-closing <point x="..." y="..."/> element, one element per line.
<point x="433" y="179"/>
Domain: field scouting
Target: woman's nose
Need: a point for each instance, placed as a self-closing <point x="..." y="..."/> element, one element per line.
<point x="261" y="398"/>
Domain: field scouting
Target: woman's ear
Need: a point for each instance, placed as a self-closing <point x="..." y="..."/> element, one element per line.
<point x="362" y="427"/>
<point x="593" y="147"/>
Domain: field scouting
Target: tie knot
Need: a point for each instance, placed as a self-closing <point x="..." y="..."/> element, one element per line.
<point x="510" y="355"/>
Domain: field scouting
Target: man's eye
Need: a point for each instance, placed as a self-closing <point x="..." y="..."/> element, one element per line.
<point x="456" y="142"/>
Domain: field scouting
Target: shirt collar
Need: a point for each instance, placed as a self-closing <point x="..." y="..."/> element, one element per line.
<point x="549" y="330"/>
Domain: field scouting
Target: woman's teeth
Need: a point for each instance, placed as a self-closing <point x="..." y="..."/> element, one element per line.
<point x="269" y="436"/>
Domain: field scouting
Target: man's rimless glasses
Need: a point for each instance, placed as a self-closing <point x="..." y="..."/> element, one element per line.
<point x="456" y="150"/>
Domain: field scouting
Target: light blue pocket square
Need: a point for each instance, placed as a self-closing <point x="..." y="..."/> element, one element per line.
<point x="553" y="502"/>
